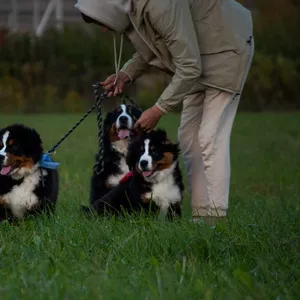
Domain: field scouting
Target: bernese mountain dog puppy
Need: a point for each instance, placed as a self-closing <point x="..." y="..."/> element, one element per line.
<point x="25" y="187"/>
<point x="155" y="182"/>
<point x="117" y="128"/>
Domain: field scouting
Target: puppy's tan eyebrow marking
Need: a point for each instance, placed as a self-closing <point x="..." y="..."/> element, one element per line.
<point x="11" y="142"/>
<point x="166" y="161"/>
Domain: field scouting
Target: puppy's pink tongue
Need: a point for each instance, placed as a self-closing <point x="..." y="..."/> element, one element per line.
<point x="147" y="173"/>
<point x="123" y="134"/>
<point x="5" y="170"/>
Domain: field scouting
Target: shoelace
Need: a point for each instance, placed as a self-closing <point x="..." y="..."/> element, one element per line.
<point x="117" y="62"/>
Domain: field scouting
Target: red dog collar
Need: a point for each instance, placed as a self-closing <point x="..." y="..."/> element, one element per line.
<point x="126" y="177"/>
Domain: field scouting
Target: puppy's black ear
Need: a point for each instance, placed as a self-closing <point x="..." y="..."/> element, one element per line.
<point x="132" y="154"/>
<point x="130" y="159"/>
<point x="135" y="133"/>
<point x="162" y="136"/>
<point x="167" y="141"/>
<point x="176" y="150"/>
<point x="136" y="112"/>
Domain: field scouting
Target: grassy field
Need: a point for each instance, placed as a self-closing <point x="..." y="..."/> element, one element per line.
<point x="255" y="256"/>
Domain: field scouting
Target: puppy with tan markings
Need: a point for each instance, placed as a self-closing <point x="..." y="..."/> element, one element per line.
<point x="25" y="187"/>
<point x="117" y="127"/>
<point x="154" y="183"/>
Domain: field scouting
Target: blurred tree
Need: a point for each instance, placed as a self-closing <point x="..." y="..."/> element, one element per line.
<point x="53" y="72"/>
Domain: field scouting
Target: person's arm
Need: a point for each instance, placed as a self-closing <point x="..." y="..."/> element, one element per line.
<point x="172" y="20"/>
<point x="135" y="67"/>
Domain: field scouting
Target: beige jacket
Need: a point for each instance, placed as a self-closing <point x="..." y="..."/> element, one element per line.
<point x="197" y="40"/>
<point x="206" y="41"/>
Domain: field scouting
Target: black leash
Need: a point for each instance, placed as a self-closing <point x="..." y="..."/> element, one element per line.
<point x="99" y="100"/>
<point x="99" y="164"/>
<point x="46" y="161"/>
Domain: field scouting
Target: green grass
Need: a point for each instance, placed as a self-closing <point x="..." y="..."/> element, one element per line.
<point x="255" y="256"/>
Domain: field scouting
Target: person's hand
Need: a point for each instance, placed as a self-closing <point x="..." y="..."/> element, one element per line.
<point x="149" y="119"/>
<point x="108" y="83"/>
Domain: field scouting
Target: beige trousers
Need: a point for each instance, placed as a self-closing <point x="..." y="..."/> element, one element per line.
<point x="204" y="136"/>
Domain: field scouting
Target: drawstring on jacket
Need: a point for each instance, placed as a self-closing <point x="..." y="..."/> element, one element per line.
<point x="117" y="62"/>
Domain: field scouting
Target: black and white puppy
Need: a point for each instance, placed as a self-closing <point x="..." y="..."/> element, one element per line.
<point x="155" y="181"/>
<point x="25" y="188"/>
<point x="117" y="127"/>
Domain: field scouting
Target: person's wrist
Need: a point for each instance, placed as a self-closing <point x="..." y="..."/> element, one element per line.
<point x="125" y="76"/>
<point x="157" y="110"/>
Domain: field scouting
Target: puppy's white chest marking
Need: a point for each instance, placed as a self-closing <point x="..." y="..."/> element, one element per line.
<point x="165" y="192"/>
<point x="120" y="146"/>
<point x="114" y="180"/>
<point x="22" y="198"/>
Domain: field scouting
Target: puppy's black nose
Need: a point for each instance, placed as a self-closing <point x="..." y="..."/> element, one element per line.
<point x="144" y="164"/>
<point x="123" y="119"/>
<point x="1" y="159"/>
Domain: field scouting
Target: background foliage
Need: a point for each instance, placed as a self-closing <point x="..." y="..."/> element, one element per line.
<point x="54" y="73"/>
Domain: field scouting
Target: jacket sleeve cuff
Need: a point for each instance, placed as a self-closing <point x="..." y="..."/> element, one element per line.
<point x="163" y="106"/>
<point x="129" y="76"/>
<point x="134" y="68"/>
<point x="129" y="72"/>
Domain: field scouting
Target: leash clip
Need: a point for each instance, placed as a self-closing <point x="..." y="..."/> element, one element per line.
<point x="47" y="163"/>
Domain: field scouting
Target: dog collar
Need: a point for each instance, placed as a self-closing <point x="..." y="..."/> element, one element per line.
<point x="47" y="163"/>
<point x="126" y="177"/>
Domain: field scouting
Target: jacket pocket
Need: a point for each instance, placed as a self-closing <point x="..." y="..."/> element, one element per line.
<point x="212" y="39"/>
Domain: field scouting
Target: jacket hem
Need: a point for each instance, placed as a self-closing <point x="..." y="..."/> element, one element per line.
<point x="220" y="87"/>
